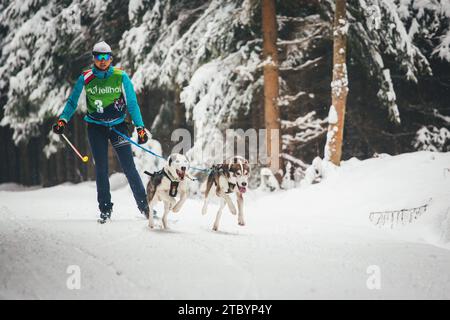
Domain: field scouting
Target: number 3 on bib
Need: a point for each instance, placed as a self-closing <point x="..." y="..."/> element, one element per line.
<point x="99" y="104"/>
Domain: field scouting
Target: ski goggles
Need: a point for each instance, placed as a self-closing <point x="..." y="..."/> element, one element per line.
<point x="102" y="56"/>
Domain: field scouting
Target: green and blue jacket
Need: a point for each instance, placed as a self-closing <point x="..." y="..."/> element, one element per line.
<point x="109" y="94"/>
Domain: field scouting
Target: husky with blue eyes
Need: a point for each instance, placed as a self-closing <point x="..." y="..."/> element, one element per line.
<point x="166" y="184"/>
<point x="224" y="179"/>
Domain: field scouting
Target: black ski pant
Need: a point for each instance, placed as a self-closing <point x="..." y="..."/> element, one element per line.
<point x="98" y="139"/>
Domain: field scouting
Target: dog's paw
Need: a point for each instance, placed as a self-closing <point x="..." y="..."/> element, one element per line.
<point x="241" y="222"/>
<point x="151" y="222"/>
<point x="233" y="210"/>
<point x="176" y="208"/>
<point x="215" y="228"/>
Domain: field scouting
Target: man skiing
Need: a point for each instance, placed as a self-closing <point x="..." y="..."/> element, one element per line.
<point x="109" y="93"/>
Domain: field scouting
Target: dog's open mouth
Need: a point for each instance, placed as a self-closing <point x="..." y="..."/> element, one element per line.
<point x="180" y="174"/>
<point x="242" y="189"/>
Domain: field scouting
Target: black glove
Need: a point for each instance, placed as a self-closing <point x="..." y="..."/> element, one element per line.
<point x="142" y="135"/>
<point x="59" y="126"/>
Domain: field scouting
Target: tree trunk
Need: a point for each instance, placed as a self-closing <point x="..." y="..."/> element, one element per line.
<point x="339" y="86"/>
<point x="180" y="111"/>
<point x="271" y="86"/>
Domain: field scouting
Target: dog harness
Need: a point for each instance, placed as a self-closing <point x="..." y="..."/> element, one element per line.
<point x="219" y="168"/>
<point x="230" y="187"/>
<point x="173" y="185"/>
<point x="156" y="178"/>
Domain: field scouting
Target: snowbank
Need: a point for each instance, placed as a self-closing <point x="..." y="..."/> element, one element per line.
<point x="321" y="237"/>
<point x="385" y="184"/>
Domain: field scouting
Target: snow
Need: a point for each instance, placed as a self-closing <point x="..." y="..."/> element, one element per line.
<point x="303" y="129"/>
<point x="429" y="19"/>
<point x="373" y="17"/>
<point x="432" y="139"/>
<point x="441" y="116"/>
<point x="268" y="180"/>
<point x="443" y="49"/>
<point x="341" y="28"/>
<point x="329" y="145"/>
<point x="288" y="99"/>
<point x="217" y="91"/>
<point x="38" y="33"/>
<point x="383" y="36"/>
<point x="246" y="13"/>
<point x="133" y="7"/>
<point x="332" y="115"/>
<point x="316" y="241"/>
<point x="339" y="85"/>
<point x="387" y="94"/>
<point x="176" y="56"/>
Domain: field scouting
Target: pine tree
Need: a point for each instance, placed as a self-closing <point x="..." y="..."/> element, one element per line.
<point x="205" y="57"/>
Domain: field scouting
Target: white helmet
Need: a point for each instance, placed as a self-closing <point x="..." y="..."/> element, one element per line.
<point x="101" y="47"/>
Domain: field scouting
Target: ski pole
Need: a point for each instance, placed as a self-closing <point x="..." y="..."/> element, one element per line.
<point x="85" y="158"/>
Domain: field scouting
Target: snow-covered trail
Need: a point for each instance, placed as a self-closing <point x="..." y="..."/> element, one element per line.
<point x="297" y="244"/>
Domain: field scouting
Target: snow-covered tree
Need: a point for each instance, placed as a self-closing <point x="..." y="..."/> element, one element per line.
<point x="209" y="55"/>
<point x="382" y="44"/>
<point x="198" y="64"/>
<point x="428" y="23"/>
<point x="45" y="45"/>
<point x="432" y="139"/>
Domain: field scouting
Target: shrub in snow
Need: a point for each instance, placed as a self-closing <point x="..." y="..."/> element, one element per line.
<point x="268" y="181"/>
<point x="318" y="170"/>
<point x="432" y="139"/>
<point x="287" y="181"/>
<point x="294" y="171"/>
<point x="313" y="173"/>
<point x="381" y="155"/>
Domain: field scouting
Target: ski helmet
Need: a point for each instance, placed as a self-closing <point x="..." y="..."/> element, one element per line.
<point x="101" y="47"/>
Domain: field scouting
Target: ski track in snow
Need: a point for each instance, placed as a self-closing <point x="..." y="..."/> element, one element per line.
<point x="297" y="244"/>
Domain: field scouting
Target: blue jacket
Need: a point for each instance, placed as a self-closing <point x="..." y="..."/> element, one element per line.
<point x="130" y="97"/>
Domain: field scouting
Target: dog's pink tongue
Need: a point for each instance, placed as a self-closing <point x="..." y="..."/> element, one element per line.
<point x="180" y="174"/>
<point x="242" y="189"/>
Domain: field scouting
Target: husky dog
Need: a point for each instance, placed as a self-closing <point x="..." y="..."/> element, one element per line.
<point x="165" y="184"/>
<point x="231" y="176"/>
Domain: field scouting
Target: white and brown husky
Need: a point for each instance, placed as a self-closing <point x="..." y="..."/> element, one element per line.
<point x="164" y="186"/>
<point x="224" y="179"/>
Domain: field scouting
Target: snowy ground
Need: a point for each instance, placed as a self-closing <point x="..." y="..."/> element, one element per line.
<point x="297" y="244"/>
